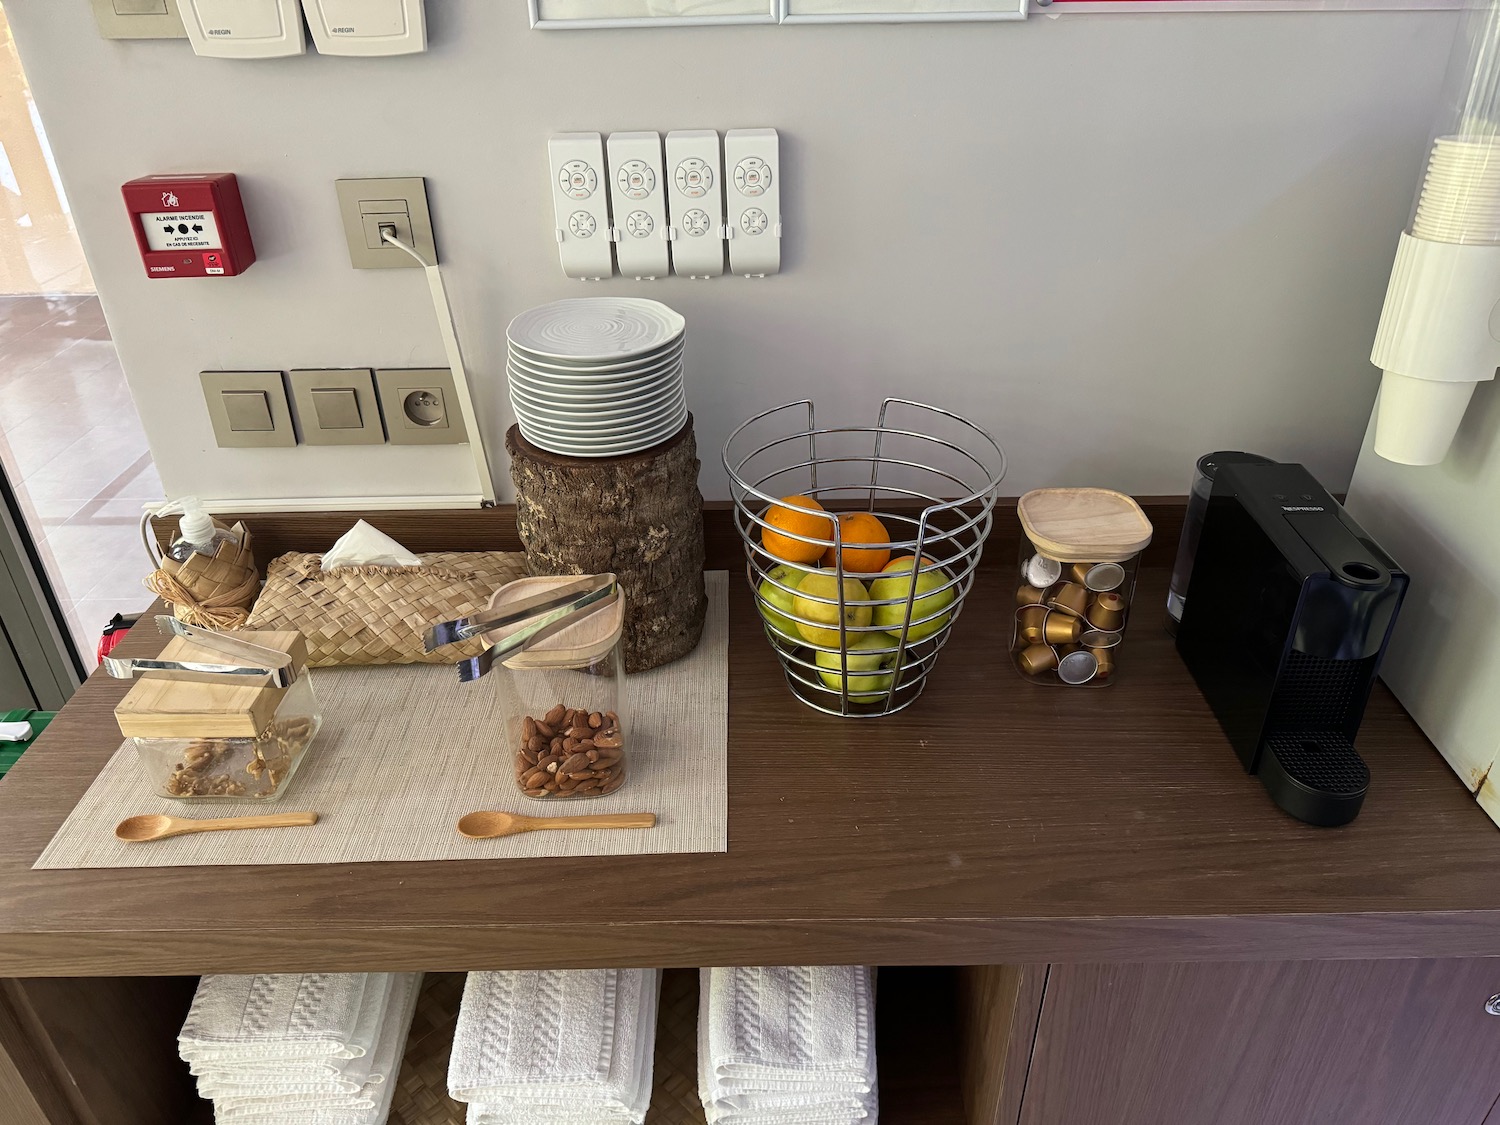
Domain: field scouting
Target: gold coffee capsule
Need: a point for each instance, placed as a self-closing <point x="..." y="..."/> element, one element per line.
<point x="1097" y="638"/>
<point x="1078" y="667"/>
<point x="1029" y="621"/>
<point x="1106" y="660"/>
<point x="1103" y="577"/>
<point x="1107" y="612"/>
<point x="1061" y="629"/>
<point x="1036" y="660"/>
<point x="1071" y="598"/>
<point x="1078" y="572"/>
<point x="1030" y="595"/>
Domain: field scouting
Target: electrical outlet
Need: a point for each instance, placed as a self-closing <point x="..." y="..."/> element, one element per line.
<point x="420" y="406"/>
<point x="399" y="202"/>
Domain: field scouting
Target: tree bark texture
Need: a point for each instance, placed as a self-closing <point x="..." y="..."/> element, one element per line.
<point x="638" y="516"/>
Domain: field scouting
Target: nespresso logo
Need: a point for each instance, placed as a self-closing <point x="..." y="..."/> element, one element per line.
<point x="1303" y="508"/>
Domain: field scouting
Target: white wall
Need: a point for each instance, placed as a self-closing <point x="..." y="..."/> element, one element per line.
<point x="1118" y="241"/>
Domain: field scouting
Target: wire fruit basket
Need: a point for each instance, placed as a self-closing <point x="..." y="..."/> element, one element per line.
<point x="858" y="621"/>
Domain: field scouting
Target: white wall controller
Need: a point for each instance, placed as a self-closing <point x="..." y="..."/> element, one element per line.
<point x="638" y="199"/>
<point x="695" y="202"/>
<point x="243" y="29"/>
<point x="367" y="27"/>
<point x="752" y="187"/>
<point x="580" y="205"/>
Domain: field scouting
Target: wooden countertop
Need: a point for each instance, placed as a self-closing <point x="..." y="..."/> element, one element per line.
<point x="995" y="821"/>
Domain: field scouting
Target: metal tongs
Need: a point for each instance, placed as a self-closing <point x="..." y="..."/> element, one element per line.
<point x="255" y="662"/>
<point x="553" y="611"/>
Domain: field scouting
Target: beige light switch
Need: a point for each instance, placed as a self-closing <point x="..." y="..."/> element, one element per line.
<point x="337" y="407"/>
<point x="138" y="19"/>
<point x="248" y="409"/>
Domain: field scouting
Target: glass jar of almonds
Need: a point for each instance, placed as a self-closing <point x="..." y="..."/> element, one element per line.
<point x="565" y="704"/>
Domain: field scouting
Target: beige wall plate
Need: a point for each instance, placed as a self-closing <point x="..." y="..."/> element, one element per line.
<point x="138" y="19"/>
<point x="420" y="406"/>
<point x="337" y="407"/>
<point x="248" y="409"/>
<point x="401" y="202"/>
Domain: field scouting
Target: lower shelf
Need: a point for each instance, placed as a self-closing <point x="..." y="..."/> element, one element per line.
<point x="916" y="1046"/>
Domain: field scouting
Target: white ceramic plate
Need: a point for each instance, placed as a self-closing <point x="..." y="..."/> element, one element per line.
<point x="562" y="420"/>
<point x="564" y="392"/>
<point x="568" y="433"/>
<point x="596" y="329"/>
<point x="642" y="404"/>
<point x="602" y="372"/>
<point x="562" y="441"/>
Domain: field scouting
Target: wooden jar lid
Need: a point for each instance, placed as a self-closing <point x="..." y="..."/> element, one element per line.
<point x="587" y="639"/>
<point x="158" y="705"/>
<point x="1084" y="524"/>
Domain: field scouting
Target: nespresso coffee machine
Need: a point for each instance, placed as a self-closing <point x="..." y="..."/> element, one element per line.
<point x="1288" y="612"/>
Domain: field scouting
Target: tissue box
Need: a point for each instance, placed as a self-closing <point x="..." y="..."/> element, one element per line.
<point x="376" y="614"/>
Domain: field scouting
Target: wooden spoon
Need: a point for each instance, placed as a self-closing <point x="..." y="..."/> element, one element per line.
<point x="488" y="825"/>
<point x="153" y="827"/>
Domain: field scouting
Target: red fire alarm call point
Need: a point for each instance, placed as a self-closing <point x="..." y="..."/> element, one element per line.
<point x="190" y="226"/>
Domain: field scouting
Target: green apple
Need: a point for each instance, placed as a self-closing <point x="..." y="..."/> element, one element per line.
<point x="818" y="621"/>
<point x="775" y="603"/>
<point x="890" y="617"/>
<point x="862" y="688"/>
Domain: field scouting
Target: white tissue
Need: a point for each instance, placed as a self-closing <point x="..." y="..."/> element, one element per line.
<point x="362" y="545"/>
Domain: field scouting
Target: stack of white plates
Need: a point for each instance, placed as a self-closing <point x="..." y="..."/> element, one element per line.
<point x="597" y="376"/>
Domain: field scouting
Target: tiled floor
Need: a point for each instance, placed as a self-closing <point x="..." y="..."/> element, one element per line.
<point x="72" y="446"/>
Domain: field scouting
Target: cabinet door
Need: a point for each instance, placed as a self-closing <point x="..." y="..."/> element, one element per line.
<point x="1289" y="1043"/>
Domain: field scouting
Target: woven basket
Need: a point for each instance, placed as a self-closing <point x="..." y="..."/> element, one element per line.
<point x="215" y="591"/>
<point x="375" y="614"/>
<point x="421" y="1095"/>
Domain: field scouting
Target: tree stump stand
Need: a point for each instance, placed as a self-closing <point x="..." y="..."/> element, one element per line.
<point x="639" y="516"/>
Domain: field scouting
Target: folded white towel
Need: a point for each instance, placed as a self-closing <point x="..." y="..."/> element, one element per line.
<point x="557" y="1047"/>
<point x="370" y="1105"/>
<point x="787" y="1046"/>
<point x="281" y="1015"/>
<point x="218" y="1077"/>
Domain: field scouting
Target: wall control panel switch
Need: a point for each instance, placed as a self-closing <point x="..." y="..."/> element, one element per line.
<point x="367" y="27"/>
<point x="398" y="202"/>
<point x="337" y="407"/>
<point x="420" y="406"/>
<point x="243" y="29"/>
<point x="695" y="202"/>
<point x="638" y="198"/>
<point x="248" y="409"/>
<point x="580" y="205"/>
<point x="138" y="19"/>
<point x="752" y="188"/>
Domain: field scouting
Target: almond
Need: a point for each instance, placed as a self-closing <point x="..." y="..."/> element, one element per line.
<point x="596" y="720"/>
<point x="555" y="715"/>
<point x="545" y="730"/>
<point x="528" y="729"/>
<point x="608" y="741"/>
<point x="576" y="764"/>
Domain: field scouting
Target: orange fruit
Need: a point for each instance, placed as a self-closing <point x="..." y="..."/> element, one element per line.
<point x="799" y="515"/>
<point x="866" y="544"/>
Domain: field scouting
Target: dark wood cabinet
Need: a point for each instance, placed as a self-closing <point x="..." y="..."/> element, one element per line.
<point x="1289" y="1043"/>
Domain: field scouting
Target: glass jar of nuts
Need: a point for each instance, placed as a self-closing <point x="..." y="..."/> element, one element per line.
<point x="565" y="703"/>
<point x="222" y="736"/>
<point x="1078" y="558"/>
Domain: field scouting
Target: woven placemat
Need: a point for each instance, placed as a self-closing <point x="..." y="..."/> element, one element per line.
<point x="406" y="750"/>
<point x="421" y="1096"/>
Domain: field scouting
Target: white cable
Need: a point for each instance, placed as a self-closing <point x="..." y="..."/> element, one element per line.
<point x="449" y="332"/>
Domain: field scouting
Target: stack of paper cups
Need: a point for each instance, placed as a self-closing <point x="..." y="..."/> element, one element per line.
<point x="1439" y="332"/>
<point x="1460" y="200"/>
